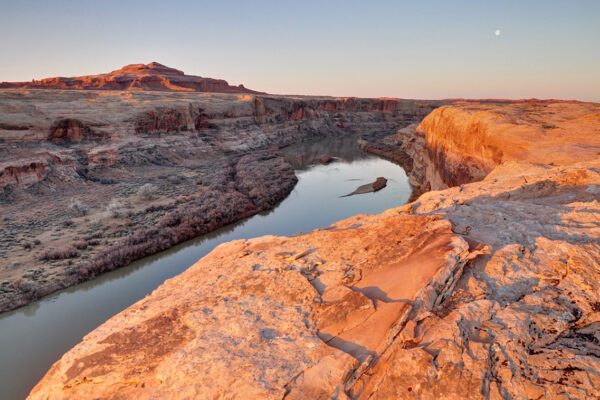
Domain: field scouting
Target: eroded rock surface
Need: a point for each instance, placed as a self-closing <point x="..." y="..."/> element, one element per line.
<point x="269" y="317"/>
<point x="518" y="322"/>
<point x="489" y="290"/>
<point x="463" y="142"/>
<point x="466" y="142"/>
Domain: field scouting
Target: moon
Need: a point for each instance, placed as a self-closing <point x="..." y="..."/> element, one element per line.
<point x="497" y="32"/>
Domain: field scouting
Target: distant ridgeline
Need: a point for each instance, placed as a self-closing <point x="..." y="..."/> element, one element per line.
<point x="153" y="76"/>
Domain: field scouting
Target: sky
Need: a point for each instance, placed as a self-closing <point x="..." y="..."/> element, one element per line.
<point x="409" y="49"/>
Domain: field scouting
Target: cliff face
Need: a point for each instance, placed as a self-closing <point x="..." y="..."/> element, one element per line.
<point x="153" y="77"/>
<point x="92" y="123"/>
<point x="462" y="143"/>
<point x="465" y="142"/>
<point x="92" y="180"/>
<point x="485" y="290"/>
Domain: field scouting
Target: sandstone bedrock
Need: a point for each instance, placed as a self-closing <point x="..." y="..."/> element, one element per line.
<point x="485" y="287"/>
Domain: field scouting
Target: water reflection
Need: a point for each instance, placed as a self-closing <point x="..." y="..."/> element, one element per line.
<point x="343" y="148"/>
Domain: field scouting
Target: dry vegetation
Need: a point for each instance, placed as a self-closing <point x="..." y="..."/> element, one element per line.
<point x="59" y="254"/>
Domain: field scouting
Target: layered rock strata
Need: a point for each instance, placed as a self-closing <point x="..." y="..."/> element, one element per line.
<point x="134" y="77"/>
<point x="463" y="142"/>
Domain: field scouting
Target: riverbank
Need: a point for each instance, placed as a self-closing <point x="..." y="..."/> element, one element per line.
<point x="91" y="181"/>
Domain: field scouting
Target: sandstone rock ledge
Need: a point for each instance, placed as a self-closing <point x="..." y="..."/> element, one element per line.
<point x="484" y="290"/>
<point x="270" y="317"/>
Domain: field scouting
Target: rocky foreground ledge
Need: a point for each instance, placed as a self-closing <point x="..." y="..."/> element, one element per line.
<point x="489" y="289"/>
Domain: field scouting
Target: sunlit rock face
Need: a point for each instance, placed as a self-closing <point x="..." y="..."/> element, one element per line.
<point x="463" y="142"/>
<point x="269" y="316"/>
<point x="466" y="141"/>
<point x="489" y="289"/>
<point x="519" y="321"/>
<point x="135" y="77"/>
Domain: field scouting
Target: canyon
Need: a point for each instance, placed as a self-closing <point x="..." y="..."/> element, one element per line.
<point x="485" y="285"/>
<point x="91" y="180"/>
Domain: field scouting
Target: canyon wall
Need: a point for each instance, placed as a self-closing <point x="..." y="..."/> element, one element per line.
<point x="95" y="130"/>
<point x="489" y="289"/>
<point x="467" y="141"/>
<point x="464" y="142"/>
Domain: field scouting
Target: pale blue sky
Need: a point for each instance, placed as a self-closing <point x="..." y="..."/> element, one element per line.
<point x="410" y="49"/>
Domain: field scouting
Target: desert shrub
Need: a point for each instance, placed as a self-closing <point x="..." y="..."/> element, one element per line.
<point x="147" y="191"/>
<point x="174" y="179"/>
<point x="27" y="245"/>
<point x="37" y="242"/>
<point x="79" y="208"/>
<point x="187" y="221"/>
<point x="159" y="207"/>
<point x="80" y="245"/>
<point x="59" y="254"/>
<point x="68" y="223"/>
<point x="99" y="217"/>
<point x="171" y="219"/>
<point x="26" y="285"/>
<point x="95" y="235"/>
<point x="206" y="211"/>
<point x="116" y="209"/>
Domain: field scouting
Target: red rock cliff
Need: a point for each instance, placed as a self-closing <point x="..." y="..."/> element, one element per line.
<point x="153" y="76"/>
<point x="467" y="141"/>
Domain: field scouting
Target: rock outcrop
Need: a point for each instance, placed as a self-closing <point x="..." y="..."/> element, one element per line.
<point x="161" y="120"/>
<point x="463" y="142"/>
<point x="374" y="186"/>
<point x="466" y="142"/>
<point x="269" y="317"/>
<point x="135" y="77"/>
<point x="68" y="131"/>
<point x="519" y="322"/>
<point x="42" y="166"/>
<point x="489" y="289"/>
